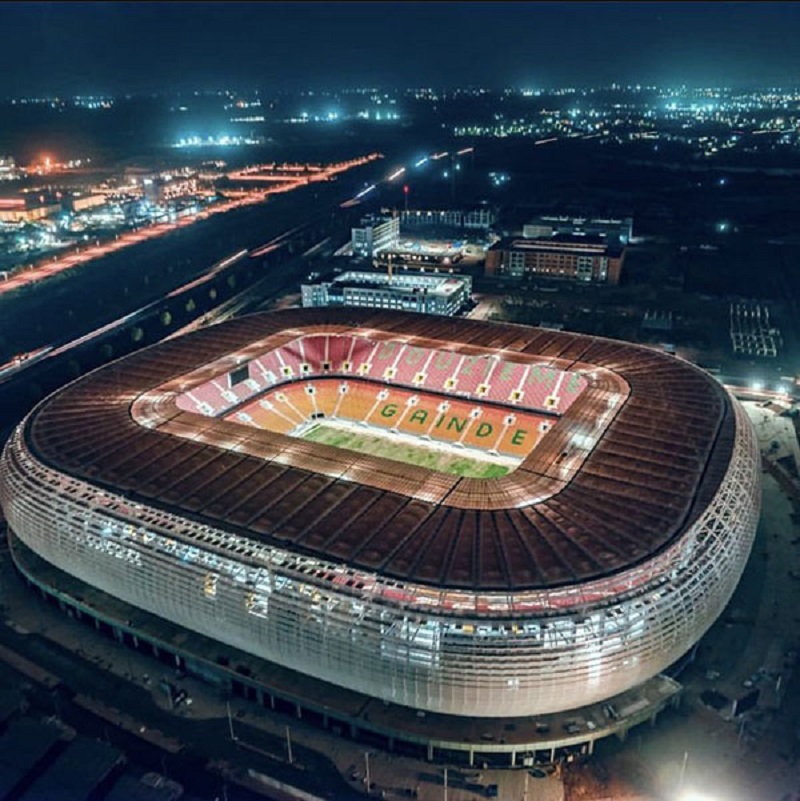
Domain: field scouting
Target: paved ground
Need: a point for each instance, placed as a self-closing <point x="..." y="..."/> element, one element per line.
<point x="752" y="757"/>
<point x="488" y="305"/>
<point x="772" y="428"/>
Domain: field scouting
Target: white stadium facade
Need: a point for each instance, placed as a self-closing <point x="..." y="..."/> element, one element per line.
<point x="174" y="481"/>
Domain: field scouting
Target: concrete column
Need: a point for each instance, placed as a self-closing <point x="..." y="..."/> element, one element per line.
<point x="513" y="759"/>
<point x="471" y="757"/>
<point x="298" y="711"/>
<point x="430" y="752"/>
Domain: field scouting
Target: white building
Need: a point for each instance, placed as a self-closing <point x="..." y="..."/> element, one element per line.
<point x="376" y="233"/>
<point x="481" y="217"/>
<point x="418" y="292"/>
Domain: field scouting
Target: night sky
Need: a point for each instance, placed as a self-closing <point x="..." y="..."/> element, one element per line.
<point x="126" y="47"/>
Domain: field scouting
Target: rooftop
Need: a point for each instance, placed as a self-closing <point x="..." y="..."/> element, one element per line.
<point x="401" y="282"/>
<point x="559" y="243"/>
<point x="590" y="501"/>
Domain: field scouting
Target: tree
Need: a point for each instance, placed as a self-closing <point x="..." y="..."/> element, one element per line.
<point x="137" y="334"/>
<point x="190" y="305"/>
<point x="166" y="319"/>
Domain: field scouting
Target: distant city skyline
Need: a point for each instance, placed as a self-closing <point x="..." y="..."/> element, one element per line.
<point x="126" y="47"/>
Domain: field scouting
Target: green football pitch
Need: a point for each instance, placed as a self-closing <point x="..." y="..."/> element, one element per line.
<point x="403" y="451"/>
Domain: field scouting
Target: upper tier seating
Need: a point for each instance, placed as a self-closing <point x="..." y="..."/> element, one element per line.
<point x="537" y="387"/>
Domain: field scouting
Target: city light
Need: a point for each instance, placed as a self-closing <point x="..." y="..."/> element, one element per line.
<point x="103" y="219"/>
<point x="222" y="140"/>
<point x="518" y="481"/>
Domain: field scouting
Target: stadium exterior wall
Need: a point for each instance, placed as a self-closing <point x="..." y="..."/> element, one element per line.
<point x="589" y="641"/>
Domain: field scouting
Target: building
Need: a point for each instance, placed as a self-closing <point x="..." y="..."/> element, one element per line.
<point x="77" y="202"/>
<point x="162" y="190"/>
<point x="375" y="233"/>
<point x="9" y="170"/>
<point x="418" y="292"/>
<point x="28" y="207"/>
<point x="578" y="258"/>
<point x="613" y="230"/>
<point x="179" y="485"/>
<point x="482" y="217"/>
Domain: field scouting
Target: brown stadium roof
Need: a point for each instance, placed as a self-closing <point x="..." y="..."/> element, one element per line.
<point x="551" y="522"/>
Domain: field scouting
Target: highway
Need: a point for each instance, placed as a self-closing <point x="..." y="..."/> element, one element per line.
<point x="317" y="218"/>
<point x="20" y="363"/>
<point x="58" y="264"/>
<point x="79" y="300"/>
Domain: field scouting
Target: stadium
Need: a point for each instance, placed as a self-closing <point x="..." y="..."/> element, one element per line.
<point x="458" y="517"/>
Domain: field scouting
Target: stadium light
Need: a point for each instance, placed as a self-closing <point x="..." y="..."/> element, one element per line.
<point x="757" y="386"/>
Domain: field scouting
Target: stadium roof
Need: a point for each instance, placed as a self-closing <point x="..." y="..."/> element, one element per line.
<point x="559" y="519"/>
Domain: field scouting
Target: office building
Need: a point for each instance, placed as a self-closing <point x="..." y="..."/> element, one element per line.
<point x="417" y="291"/>
<point x="374" y="234"/>
<point x="571" y="257"/>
